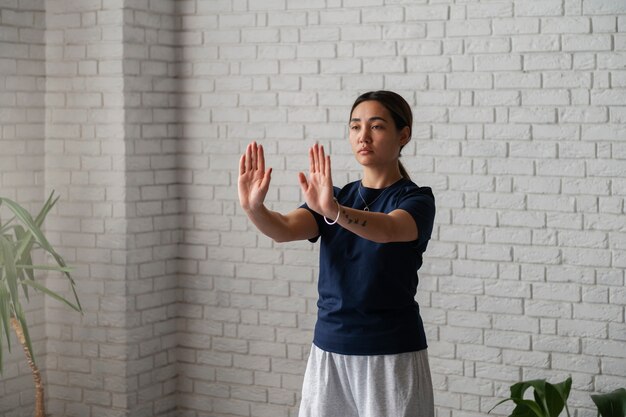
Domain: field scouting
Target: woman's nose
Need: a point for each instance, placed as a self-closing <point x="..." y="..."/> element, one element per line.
<point x="364" y="136"/>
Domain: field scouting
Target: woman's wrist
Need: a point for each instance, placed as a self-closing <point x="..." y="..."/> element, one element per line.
<point x="249" y="210"/>
<point x="334" y="215"/>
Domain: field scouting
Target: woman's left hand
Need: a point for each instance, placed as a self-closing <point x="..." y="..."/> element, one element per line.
<point x="318" y="189"/>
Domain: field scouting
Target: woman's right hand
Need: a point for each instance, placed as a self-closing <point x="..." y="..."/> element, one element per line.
<point x="254" y="181"/>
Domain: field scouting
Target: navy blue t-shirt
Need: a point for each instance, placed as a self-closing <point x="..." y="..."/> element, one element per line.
<point x="366" y="289"/>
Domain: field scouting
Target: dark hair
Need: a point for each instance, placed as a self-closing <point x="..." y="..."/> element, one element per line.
<point x="398" y="108"/>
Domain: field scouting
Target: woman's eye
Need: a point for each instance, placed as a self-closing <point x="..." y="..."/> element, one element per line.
<point x="376" y="127"/>
<point x="354" y="127"/>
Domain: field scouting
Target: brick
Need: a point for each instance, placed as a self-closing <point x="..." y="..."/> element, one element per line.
<point x="586" y="42"/>
<point x="556" y="344"/>
<point x="477" y="387"/>
<point x="522" y="358"/>
<point x="603" y="7"/>
<point x="608" y="348"/>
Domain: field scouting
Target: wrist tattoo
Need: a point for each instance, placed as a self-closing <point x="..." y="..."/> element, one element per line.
<point x="354" y="220"/>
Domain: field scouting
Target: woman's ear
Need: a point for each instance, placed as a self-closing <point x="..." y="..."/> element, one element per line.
<point x="405" y="135"/>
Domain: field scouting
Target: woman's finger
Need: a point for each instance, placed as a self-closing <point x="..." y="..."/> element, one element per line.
<point x="253" y="154"/>
<point x="327" y="171"/>
<point x="242" y="164"/>
<point x="261" y="159"/>
<point x="248" y="157"/>
<point x="322" y="159"/>
<point x="311" y="161"/>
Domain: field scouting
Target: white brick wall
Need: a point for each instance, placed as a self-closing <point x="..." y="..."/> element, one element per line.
<point x="22" y="88"/>
<point x="519" y="124"/>
<point x="518" y="109"/>
<point x="88" y="356"/>
<point x="112" y="154"/>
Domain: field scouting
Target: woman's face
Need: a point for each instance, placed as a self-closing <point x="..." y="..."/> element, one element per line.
<point x="374" y="138"/>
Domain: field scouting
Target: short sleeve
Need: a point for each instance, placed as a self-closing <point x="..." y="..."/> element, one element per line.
<point x="419" y="202"/>
<point x="318" y="220"/>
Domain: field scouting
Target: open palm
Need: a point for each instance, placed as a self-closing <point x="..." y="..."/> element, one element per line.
<point x="254" y="181"/>
<point x="318" y="189"/>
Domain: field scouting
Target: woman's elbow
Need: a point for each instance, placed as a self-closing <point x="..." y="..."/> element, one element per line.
<point x="281" y="239"/>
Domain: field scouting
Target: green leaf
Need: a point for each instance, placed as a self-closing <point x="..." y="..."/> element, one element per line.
<point x="50" y="202"/>
<point x="549" y="399"/>
<point x="5" y="313"/>
<point x="17" y="241"/>
<point x="20" y="234"/>
<point x="612" y="404"/>
<point x="499" y="402"/>
<point x="52" y="294"/>
<point x="33" y="227"/>
<point x="39" y="221"/>
<point x="9" y="267"/>
<point x="517" y="390"/>
<point x="5" y="316"/>
<point x="7" y="226"/>
<point x="44" y="268"/>
<point x="556" y="397"/>
<point x="527" y="408"/>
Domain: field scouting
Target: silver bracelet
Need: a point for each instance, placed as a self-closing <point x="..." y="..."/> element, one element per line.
<point x="338" y="212"/>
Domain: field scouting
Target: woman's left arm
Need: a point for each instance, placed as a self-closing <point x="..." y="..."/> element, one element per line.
<point x="397" y="226"/>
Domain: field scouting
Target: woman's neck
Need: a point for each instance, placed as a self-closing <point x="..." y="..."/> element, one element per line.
<point x="373" y="178"/>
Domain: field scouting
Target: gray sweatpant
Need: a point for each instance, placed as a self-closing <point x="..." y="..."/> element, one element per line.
<point x="367" y="386"/>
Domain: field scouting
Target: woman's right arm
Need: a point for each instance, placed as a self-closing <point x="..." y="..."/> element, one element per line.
<point x="253" y="184"/>
<point x="296" y="225"/>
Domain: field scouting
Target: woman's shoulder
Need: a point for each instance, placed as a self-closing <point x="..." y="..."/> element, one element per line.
<point x="347" y="187"/>
<point x="409" y="187"/>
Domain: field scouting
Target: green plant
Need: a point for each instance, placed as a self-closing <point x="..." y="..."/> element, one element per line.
<point x="612" y="404"/>
<point x="549" y="399"/>
<point x="19" y="237"/>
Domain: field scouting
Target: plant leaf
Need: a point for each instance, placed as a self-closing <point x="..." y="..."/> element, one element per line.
<point x="517" y="390"/>
<point x="539" y="386"/>
<point x="612" y="404"/>
<point x="50" y="202"/>
<point x="10" y="272"/>
<point x="44" y="268"/>
<point x="16" y="267"/>
<point x="549" y="399"/>
<point x="556" y="397"/>
<point x="528" y="408"/>
<point x="27" y="259"/>
<point x="52" y="294"/>
<point x="27" y="220"/>
<point x="5" y="313"/>
<point x="4" y="317"/>
<point x="499" y="402"/>
<point x="60" y="261"/>
<point x="33" y="226"/>
<point x="7" y="226"/>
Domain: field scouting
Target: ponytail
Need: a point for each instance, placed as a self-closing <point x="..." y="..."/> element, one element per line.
<point x="403" y="171"/>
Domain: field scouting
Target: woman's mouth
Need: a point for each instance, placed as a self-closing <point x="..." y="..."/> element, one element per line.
<point x="364" y="151"/>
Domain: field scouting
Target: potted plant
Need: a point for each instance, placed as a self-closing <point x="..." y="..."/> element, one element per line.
<point x="19" y="237"/>
<point x="549" y="399"/>
<point x="612" y="404"/>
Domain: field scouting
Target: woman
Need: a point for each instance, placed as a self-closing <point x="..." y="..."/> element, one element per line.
<point x="368" y="357"/>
